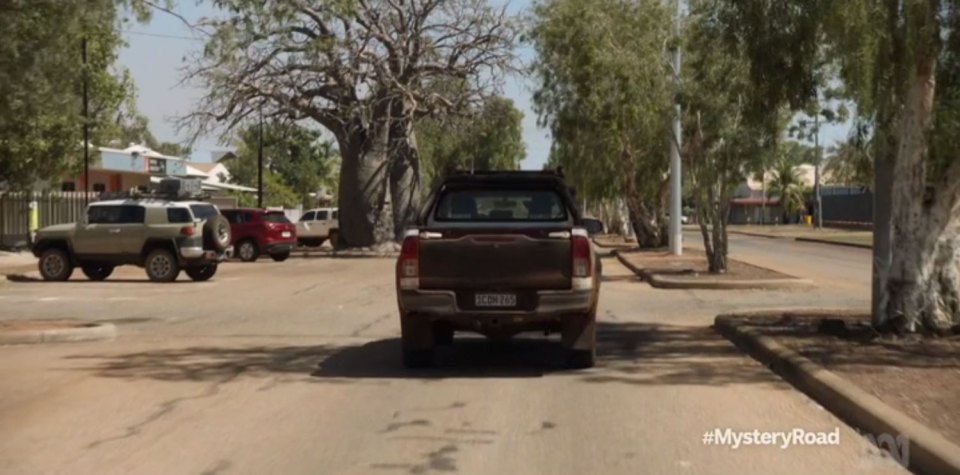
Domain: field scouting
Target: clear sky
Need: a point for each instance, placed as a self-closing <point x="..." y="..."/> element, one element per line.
<point x="157" y="52"/>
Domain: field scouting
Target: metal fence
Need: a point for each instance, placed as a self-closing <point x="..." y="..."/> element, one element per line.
<point x="848" y="208"/>
<point x="54" y="207"/>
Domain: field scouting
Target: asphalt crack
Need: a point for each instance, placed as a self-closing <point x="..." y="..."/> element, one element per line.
<point x="164" y="409"/>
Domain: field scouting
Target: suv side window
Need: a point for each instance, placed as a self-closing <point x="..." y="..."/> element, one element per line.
<point x="308" y="217"/>
<point x="248" y="218"/>
<point x="132" y="214"/>
<point x="179" y="215"/>
<point x="322" y="215"/>
<point x="103" y="214"/>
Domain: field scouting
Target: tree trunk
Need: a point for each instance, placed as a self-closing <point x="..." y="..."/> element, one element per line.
<point x="404" y="170"/>
<point x="923" y="281"/>
<point x="365" y="218"/>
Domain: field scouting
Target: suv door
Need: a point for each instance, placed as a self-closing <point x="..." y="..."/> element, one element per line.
<point x="100" y="234"/>
<point x="132" y="231"/>
<point x="305" y="227"/>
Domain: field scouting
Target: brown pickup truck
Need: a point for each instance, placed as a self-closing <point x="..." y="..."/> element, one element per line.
<point x="498" y="253"/>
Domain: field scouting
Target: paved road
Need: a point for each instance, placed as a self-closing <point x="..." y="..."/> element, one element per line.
<point x="845" y="270"/>
<point x="293" y="368"/>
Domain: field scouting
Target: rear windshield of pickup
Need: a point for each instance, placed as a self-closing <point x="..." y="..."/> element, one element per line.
<point x="500" y="205"/>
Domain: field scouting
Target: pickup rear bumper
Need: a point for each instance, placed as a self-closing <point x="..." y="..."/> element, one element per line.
<point x="443" y="305"/>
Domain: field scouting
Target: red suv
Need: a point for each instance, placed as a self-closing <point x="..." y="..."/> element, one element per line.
<point x="257" y="231"/>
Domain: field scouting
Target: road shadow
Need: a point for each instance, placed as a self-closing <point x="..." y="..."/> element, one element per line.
<point x="29" y="279"/>
<point x="630" y="353"/>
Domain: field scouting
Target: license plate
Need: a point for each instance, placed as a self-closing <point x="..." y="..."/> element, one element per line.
<point x="495" y="300"/>
<point x="285" y="234"/>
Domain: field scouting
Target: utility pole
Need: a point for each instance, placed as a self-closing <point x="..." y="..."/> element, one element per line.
<point x="676" y="194"/>
<point x="818" y="212"/>
<point x="260" y="162"/>
<point x="86" y="128"/>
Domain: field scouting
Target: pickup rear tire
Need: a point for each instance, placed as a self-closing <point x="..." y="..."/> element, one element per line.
<point x="579" y="337"/>
<point x="55" y="265"/>
<point x="97" y="272"/>
<point x="418" y="343"/>
<point x="581" y="359"/>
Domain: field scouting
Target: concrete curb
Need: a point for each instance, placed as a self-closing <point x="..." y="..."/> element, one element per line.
<point x="95" y="331"/>
<point x="835" y="243"/>
<point x="929" y="451"/>
<point x="747" y="233"/>
<point x="659" y="281"/>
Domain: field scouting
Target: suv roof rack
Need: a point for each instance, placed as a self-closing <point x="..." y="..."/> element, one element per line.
<point x="169" y="189"/>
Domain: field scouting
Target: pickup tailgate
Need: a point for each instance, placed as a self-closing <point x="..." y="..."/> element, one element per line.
<point x="491" y="260"/>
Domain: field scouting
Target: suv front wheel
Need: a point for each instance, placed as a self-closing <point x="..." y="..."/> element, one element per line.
<point x="162" y="266"/>
<point x="55" y="265"/>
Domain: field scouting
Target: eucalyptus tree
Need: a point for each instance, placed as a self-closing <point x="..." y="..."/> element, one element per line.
<point x="604" y="92"/>
<point x="899" y="62"/>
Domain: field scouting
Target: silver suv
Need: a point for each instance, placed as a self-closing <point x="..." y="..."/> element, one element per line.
<point x="162" y="236"/>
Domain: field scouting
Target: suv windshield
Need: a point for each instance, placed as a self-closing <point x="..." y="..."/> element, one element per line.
<point x="204" y="211"/>
<point x="500" y="205"/>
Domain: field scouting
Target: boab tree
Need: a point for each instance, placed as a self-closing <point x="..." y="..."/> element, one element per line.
<point x="362" y="69"/>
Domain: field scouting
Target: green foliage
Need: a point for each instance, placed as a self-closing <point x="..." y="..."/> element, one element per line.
<point x="604" y="91"/>
<point x="296" y="162"/>
<point x="490" y="138"/>
<point x="172" y="149"/>
<point x="41" y="73"/>
<point x="786" y="184"/>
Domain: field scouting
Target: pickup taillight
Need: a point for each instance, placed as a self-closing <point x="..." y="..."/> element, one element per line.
<point x="187" y="230"/>
<point x="408" y="266"/>
<point x="582" y="262"/>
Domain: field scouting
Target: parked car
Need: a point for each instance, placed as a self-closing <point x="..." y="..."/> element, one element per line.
<point x="498" y="254"/>
<point x="594" y="226"/>
<point x="318" y="225"/>
<point x="161" y="233"/>
<point x="257" y="232"/>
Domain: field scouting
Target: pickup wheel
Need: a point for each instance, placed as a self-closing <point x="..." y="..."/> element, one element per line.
<point x="162" y="266"/>
<point x="202" y="273"/>
<point x="55" y="265"/>
<point x="581" y="359"/>
<point x="418" y="343"/>
<point x="97" y="272"/>
<point x="248" y="251"/>
<point x="579" y="337"/>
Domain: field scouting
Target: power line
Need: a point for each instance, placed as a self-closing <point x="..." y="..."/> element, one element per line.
<point x="160" y="35"/>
